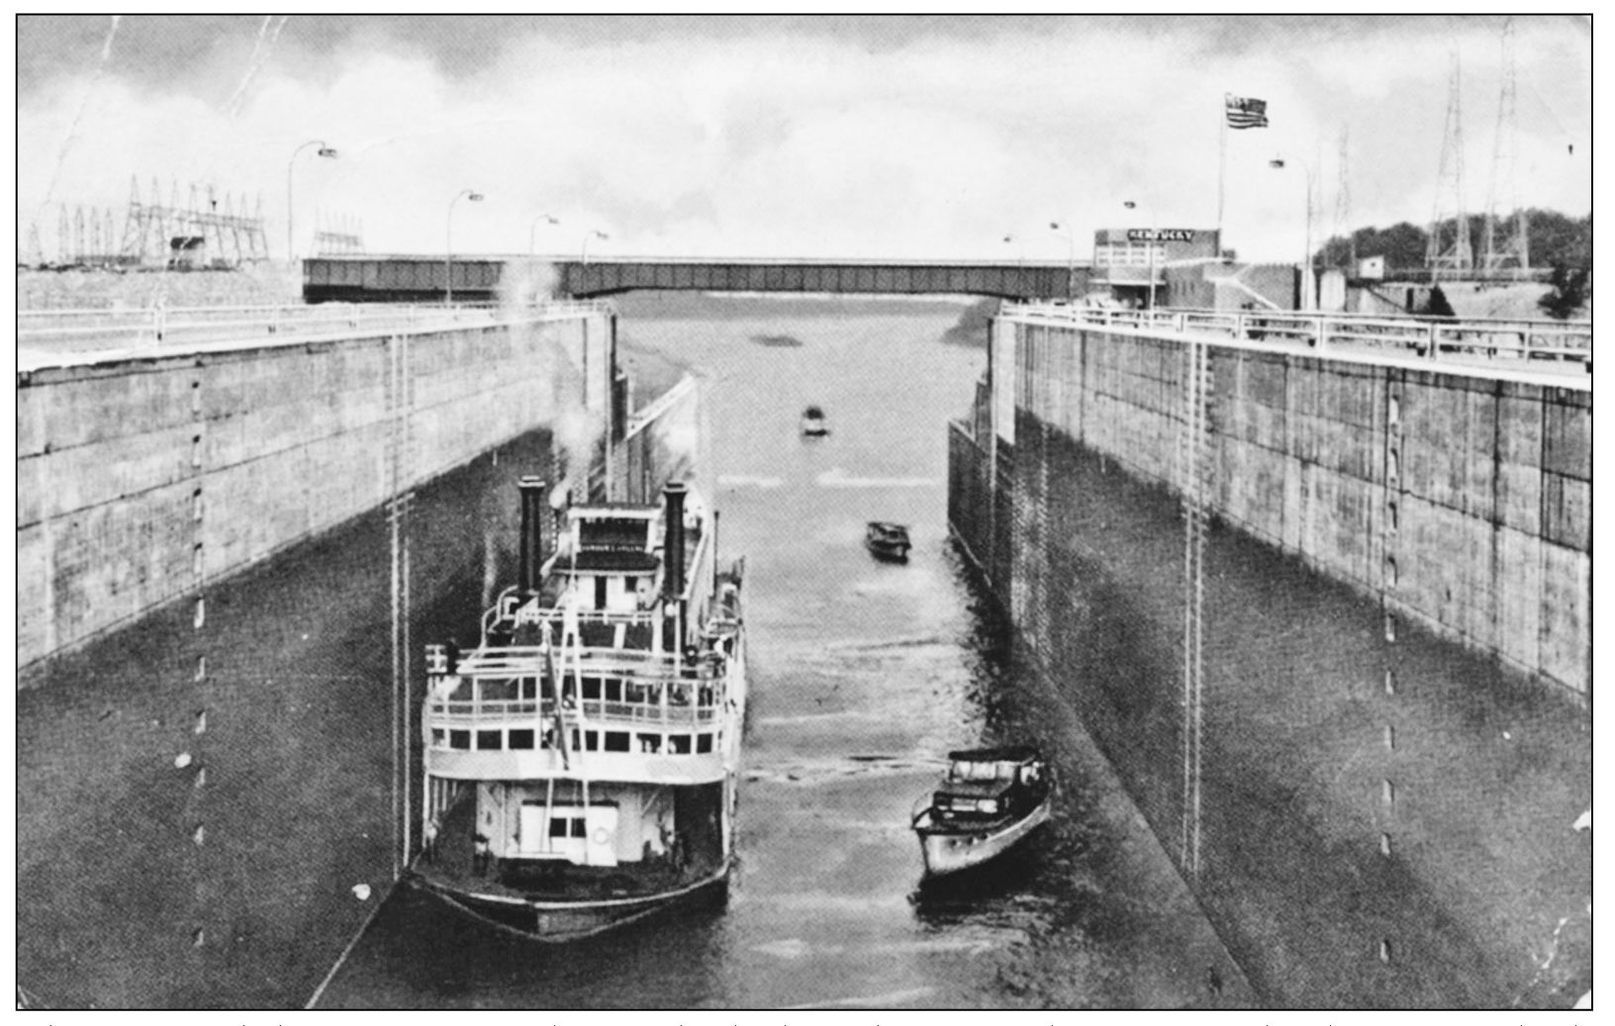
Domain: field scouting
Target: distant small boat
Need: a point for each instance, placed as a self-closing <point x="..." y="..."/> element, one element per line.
<point x="887" y="540"/>
<point x="813" y="424"/>
<point x="990" y="801"/>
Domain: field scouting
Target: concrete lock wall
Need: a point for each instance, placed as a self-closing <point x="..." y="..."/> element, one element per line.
<point x="140" y="479"/>
<point x="1461" y="502"/>
<point x="1395" y="613"/>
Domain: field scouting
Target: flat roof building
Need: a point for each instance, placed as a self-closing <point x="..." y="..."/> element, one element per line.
<point x="1131" y="262"/>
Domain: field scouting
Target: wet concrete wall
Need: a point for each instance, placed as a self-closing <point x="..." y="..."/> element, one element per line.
<point x="1460" y="502"/>
<point x="141" y="480"/>
<point x="196" y="805"/>
<point x="1387" y="791"/>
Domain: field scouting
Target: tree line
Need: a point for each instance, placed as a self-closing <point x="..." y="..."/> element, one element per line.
<point x="1553" y="240"/>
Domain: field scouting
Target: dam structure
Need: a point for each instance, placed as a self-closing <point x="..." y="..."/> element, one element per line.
<point x="1320" y="587"/>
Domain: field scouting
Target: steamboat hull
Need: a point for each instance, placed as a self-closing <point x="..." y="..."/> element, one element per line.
<point x="558" y="921"/>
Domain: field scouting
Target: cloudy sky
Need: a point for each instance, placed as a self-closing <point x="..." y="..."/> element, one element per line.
<point x="914" y="137"/>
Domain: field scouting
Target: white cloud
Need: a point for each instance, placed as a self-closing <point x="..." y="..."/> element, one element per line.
<point x="811" y="144"/>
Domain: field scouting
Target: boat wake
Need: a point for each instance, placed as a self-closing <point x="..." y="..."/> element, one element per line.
<point x="749" y="481"/>
<point x="853" y="766"/>
<point x="835" y="477"/>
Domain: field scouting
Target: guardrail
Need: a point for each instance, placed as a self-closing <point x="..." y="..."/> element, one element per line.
<point x="160" y="325"/>
<point x="1426" y="337"/>
<point x="474" y="712"/>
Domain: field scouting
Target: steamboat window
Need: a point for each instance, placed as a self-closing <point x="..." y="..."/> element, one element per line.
<point x="591" y="688"/>
<point x="499" y="690"/>
<point x="703" y="742"/>
<point x="438" y="738"/>
<point x="600" y="593"/>
<point x="650" y="743"/>
<point x="460" y="739"/>
<point x="521" y="739"/>
<point x="613" y="690"/>
<point x="490" y="739"/>
<point x="567" y="826"/>
<point x="591" y="739"/>
<point x="679" y="743"/>
<point x="616" y="741"/>
<point x="529" y="688"/>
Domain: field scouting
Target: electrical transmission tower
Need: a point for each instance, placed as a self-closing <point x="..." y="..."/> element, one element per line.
<point x="1458" y="255"/>
<point x="230" y="237"/>
<point x="33" y="252"/>
<point x="1504" y="247"/>
<point x="1342" y="227"/>
<point x="338" y="235"/>
<point x="149" y="225"/>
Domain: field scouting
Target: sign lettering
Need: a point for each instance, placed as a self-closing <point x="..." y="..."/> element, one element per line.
<point x="1160" y="235"/>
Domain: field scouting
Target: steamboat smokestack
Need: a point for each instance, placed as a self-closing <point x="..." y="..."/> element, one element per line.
<point x="532" y="549"/>
<point x="673" y="540"/>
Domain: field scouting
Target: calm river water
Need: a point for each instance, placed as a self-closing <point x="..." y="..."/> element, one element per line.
<point x="863" y="676"/>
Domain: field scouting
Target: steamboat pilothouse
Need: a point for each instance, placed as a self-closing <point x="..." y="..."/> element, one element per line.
<point x="581" y="762"/>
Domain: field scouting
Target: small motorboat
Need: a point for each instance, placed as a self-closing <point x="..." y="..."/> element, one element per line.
<point x="887" y="540"/>
<point x="813" y="425"/>
<point x="990" y="801"/>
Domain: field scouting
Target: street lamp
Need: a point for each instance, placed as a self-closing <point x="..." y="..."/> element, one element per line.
<point x="1020" y="253"/>
<point x="1149" y="293"/>
<point x="1071" y="257"/>
<point x="448" y="243"/>
<point x="594" y="233"/>
<point x="1305" y="301"/>
<point x="324" y="151"/>
<point x="532" y="232"/>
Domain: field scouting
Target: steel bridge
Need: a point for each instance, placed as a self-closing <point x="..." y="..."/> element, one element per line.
<point x="414" y="279"/>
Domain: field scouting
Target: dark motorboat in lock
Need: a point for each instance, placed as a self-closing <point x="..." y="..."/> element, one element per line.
<point x="990" y="800"/>
<point x="887" y="540"/>
<point x="813" y="425"/>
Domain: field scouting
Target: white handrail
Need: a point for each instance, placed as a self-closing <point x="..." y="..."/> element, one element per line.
<point x="162" y="324"/>
<point x="1427" y="337"/>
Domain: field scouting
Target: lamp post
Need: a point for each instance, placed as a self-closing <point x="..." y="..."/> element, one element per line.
<point x="1071" y="257"/>
<point x="1305" y="300"/>
<point x="593" y="233"/>
<point x="1020" y="251"/>
<point x="291" y="211"/>
<point x="532" y="231"/>
<point x="1149" y="293"/>
<point x="448" y="243"/>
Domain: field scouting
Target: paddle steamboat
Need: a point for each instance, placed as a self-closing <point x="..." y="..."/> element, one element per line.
<point x="581" y="761"/>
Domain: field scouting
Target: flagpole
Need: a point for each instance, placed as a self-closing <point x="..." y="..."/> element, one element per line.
<point x="1222" y="166"/>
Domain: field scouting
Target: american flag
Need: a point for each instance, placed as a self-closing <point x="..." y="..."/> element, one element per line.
<point x="1244" y="112"/>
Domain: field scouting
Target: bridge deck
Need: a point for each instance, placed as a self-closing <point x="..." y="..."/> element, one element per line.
<point x="413" y="278"/>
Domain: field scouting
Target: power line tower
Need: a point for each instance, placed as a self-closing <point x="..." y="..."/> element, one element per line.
<point x="1342" y="226"/>
<point x="147" y="226"/>
<point x="338" y="235"/>
<point x="1459" y="255"/>
<point x="33" y="253"/>
<point x="64" y="235"/>
<point x="1504" y="247"/>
